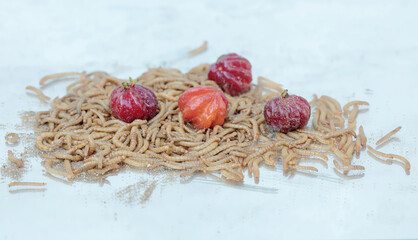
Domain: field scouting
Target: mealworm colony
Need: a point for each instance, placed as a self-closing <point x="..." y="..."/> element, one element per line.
<point x="80" y="134"/>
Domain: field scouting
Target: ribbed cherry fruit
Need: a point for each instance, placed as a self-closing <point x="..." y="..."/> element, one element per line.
<point x="203" y="106"/>
<point x="133" y="101"/>
<point x="232" y="73"/>
<point x="286" y="113"/>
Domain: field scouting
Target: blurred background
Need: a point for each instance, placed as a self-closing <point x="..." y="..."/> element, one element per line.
<point x="350" y="50"/>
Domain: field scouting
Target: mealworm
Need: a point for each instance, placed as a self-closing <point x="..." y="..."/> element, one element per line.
<point x="335" y="103"/>
<point x="347" y="144"/>
<point x="206" y="144"/>
<point x="256" y="168"/>
<point x="52" y="171"/>
<point x="134" y="163"/>
<point x="259" y="152"/>
<point x="262" y="81"/>
<point x="268" y="159"/>
<point x="40" y="94"/>
<point x="353" y="114"/>
<point x="66" y="156"/>
<point x="199" y="49"/>
<point x="68" y="169"/>
<point x="206" y="150"/>
<point x="104" y="170"/>
<point x="238" y="154"/>
<point x="288" y="158"/>
<point x="230" y="175"/>
<point x="314" y="101"/>
<point x="388" y="135"/>
<point x="348" y="105"/>
<point x="337" y="133"/>
<point x="222" y="166"/>
<point x="148" y="191"/>
<point x="342" y="142"/>
<point x="358" y="145"/>
<point x="15" y="160"/>
<point x="350" y="150"/>
<point x="114" y="160"/>
<point x="11" y="138"/>
<point x="238" y="126"/>
<point x="349" y="167"/>
<point x="221" y="148"/>
<point x="341" y="155"/>
<point x="362" y="136"/>
<point x="180" y="158"/>
<point x="403" y="159"/>
<point x="310" y="153"/>
<point x="391" y="156"/>
<point x="309" y="168"/>
<point x="32" y="184"/>
<point x="58" y="75"/>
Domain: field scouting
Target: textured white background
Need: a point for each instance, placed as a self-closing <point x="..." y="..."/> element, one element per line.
<point x="350" y="50"/>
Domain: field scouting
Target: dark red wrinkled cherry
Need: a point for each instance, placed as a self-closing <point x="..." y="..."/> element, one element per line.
<point x="287" y="112"/>
<point x="232" y="73"/>
<point x="133" y="101"/>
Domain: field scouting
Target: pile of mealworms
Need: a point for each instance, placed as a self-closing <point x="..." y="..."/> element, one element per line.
<point x="79" y="133"/>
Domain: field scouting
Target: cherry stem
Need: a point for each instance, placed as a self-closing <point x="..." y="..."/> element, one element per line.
<point x="129" y="84"/>
<point x="133" y="82"/>
<point x="284" y="94"/>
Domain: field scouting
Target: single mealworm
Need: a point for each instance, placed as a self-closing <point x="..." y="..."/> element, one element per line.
<point x="199" y="49"/>
<point x="15" y="160"/>
<point x="362" y="136"/>
<point x="388" y="135"/>
<point x="40" y="94"/>
<point x="32" y="184"/>
<point x="11" y="138"/>
<point x="310" y="153"/>
<point x="348" y="105"/>
<point x="58" y="75"/>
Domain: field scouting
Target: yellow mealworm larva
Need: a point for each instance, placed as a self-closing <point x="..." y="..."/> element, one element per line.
<point x="199" y="49"/>
<point x="256" y="132"/>
<point x="15" y="160"/>
<point x="349" y="167"/>
<point x="338" y="132"/>
<point x="66" y="156"/>
<point x="353" y="114"/>
<point x="347" y="144"/>
<point x="348" y="105"/>
<point x="58" y="75"/>
<point x="310" y="153"/>
<point x="230" y="175"/>
<point x="11" y="138"/>
<point x="341" y="155"/>
<point x="40" y="94"/>
<point x="391" y="156"/>
<point x="104" y="170"/>
<point x="32" y="184"/>
<point x="256" y="168"/>
<point x="68" y="169"/>
<point x="388" y="135"/>
<point x="260" y="151"/>
<point x="363" y="136"/>
<point x="49" y="169"/>
<point x="403" y="159"/>
<point x="342" y="141"/>
<point x="309" y="168"/>
<point x="238" y="126"/>
<point x="205" y="150"/>
<point x="40" y="139"/>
